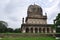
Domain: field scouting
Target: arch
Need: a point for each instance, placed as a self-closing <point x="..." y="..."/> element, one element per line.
<point x="31" y="30"/>
<point x="36" y="30"/>
<point x="27" y="30"/>
<point x="43" y="30"/>
<point x="47" y="30"/>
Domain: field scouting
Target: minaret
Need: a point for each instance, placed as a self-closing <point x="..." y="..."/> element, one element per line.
<point x="22" y="20"/>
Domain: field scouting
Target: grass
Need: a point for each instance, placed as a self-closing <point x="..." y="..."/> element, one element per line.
<point x="26" y="37"/>
<point x="29" y="38"/>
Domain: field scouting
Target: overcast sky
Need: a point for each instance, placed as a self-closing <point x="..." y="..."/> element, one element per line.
<point x="12" y="11"/>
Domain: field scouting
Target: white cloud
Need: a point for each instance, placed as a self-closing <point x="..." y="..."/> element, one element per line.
<point x="50" y="0"/>
<point x="53" y="11"/>
<point x="12" y="11"/>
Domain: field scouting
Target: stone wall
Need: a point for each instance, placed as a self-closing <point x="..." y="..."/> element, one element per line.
<point x="36" y="21"/>
<point x="24" y="35"/>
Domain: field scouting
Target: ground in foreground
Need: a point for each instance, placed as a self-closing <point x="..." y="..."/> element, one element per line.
<point x="28" y="38"/>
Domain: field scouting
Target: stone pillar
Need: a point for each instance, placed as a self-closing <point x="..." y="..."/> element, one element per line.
<point x="24" y="30"/>
<point x="54" y="31"/>
<point x="41" y="29"/>
<point x="45" y="29"/>
<point x="29" y="30"/>
<point x="38" y="29"/>
<point x="33" y="29"/>
<point x="49" y="29"/>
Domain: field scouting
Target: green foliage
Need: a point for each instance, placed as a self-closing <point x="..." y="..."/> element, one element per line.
<point x="57" y="18"/>
<point x="53" y="26"/>
<point x="4" y="29"/>
<point x="17" y="30"/>
<point x="10" y="30"/>
<point x="57" y="22"/>
<point x="58" y="30"/>
<point x="3" y="26"/>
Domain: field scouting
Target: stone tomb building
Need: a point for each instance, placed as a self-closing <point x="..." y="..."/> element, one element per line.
<point x="35" y="21"/>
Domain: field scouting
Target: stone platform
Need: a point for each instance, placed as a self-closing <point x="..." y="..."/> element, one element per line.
<point x="26" y="35"/>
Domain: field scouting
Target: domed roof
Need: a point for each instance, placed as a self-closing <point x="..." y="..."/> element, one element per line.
<point x="35" y="9"/>
<point x="34" y="6"/>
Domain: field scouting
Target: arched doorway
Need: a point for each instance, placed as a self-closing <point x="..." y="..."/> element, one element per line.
<point x="27" y="30"/>
<point x="36" y="30"/>
<point x="31" y="30"/>
<point x="47" y="30"/>
<point x="43" y="30"/>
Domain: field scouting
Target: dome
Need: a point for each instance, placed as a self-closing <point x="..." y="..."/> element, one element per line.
<point x="35" y="9"/>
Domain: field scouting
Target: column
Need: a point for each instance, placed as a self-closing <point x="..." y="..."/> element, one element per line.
<point x="38" y="29"/>
<point x="29" y="30"/>
<point x="54" y="31"/>
<point x="41" y="29"/>
<point x="45" y="29"/>
<point x="33" y="29"/>
<point x="24" y="30"/>
<point x="49" y="29"/>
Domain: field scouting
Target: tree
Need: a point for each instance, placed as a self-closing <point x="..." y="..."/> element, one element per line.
<point x="3" y="26"/>
<point x="57" y="23"/>
<point x="18" y="30"/>
<point x="10" y="30"/>
<point x="58" y="19"/>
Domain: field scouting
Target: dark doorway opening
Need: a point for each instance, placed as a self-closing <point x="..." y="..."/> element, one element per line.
<point x="27" y="30"/>
<point x="31" y="30"/>
<point x="36" y="30"/>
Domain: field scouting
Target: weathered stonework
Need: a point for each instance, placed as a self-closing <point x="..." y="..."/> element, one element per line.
<point x="35" y="21"/>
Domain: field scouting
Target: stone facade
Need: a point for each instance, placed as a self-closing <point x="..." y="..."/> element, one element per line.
<point x="35" y="21"/>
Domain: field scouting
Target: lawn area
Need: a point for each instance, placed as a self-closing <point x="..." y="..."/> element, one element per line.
<point x="29" y="38"/>
<point x="25" y="36"/>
